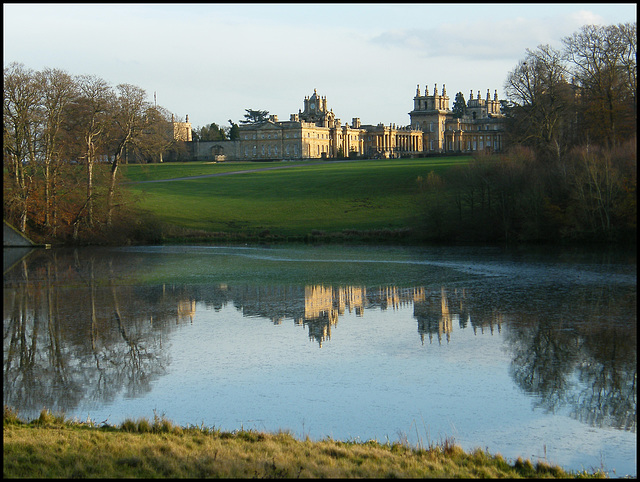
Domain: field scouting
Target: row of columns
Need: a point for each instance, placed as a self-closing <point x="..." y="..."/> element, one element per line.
<point x="494" y="141"/>
<point x="401" y="142"/>
<point x="348" y="144"/>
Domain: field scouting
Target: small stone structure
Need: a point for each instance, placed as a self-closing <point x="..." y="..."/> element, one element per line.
<point x="14" y="238"/>
<point x="16" y="247"/>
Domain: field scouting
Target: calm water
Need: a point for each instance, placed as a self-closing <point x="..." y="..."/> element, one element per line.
<point x="519" y="352"/>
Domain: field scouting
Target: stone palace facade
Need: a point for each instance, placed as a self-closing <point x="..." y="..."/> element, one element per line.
<point x="315" y="133"/>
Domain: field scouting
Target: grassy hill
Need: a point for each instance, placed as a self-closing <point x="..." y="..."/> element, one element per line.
<point x="284" y="199"/>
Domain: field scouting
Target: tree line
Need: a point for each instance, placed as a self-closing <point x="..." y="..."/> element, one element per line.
<point x="214" y="132"/>
<point x="569" y="169"/>
<point x="56" y="129"/>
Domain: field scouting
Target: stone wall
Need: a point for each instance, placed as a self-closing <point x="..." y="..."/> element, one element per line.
<point x="214" y="150"/>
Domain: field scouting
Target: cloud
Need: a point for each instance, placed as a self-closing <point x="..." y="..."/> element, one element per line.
<point x="504" y="39"/>
<point x="585" y="17"/>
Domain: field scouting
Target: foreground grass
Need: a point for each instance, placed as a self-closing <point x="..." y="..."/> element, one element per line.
<point x="51" y="446"/>
<point x="314" y="197"/>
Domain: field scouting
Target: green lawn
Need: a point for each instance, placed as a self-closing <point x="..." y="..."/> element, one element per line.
<point x="170" y="170"/>
<point x="327" y="196"/>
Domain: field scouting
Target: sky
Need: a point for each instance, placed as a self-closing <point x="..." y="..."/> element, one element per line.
<point x="213" y="61"/>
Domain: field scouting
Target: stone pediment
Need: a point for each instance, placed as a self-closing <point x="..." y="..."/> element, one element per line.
<point x="268" y="125"/>
<point x="265" y="125"/>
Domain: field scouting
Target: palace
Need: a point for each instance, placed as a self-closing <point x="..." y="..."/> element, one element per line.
<point x="315" y="133"/>
<point x="480" y="128"/>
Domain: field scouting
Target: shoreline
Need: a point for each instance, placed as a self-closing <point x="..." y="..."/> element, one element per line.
<point x="52" y="446"/>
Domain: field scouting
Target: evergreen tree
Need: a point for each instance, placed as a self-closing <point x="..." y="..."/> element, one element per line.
<point x="255" y="116"/>
<point x="234" y="131"/>
<point x="459" y="106"/>
<point x="211" y="132"/>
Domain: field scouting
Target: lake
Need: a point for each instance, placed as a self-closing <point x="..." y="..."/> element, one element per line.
<point x="523" y="352"/>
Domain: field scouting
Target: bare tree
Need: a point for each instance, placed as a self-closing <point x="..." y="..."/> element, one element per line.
<point x="604" y="62"/>
<point x="157" y="136"/>
<point x="21" y="105"/>
<point x="129" y="121"/>
<point x="96" y="98"/>
<point x="597" y="184"/>
<point x="628" y="33"/>
<point x="58" y="90"/>
<point x="542" y="101"/>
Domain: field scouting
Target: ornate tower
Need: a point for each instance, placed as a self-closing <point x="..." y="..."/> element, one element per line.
<point x="315" y="110"/>
<point x="429" y="114"/>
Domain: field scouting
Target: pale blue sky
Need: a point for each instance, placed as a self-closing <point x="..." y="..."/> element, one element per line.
<point x="212" y="61"/>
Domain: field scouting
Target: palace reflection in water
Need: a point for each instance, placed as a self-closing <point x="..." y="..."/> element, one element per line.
<point x="319" y="307"/>
<point x="77" y="332"/>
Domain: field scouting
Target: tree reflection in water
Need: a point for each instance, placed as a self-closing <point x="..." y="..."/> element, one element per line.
<point x="587" y="364"/>
<point x="77" y="329"/>
<point x="66" y="338"/>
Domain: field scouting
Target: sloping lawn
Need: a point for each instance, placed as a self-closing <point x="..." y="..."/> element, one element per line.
<point x="330" y="196"/>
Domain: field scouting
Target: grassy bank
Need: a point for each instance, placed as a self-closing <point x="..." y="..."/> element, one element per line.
<point x="51" y="446"/>
<point x="369" y="198"/>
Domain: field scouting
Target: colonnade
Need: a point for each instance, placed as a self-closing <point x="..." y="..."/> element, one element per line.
<point x="398" y="141"/>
